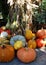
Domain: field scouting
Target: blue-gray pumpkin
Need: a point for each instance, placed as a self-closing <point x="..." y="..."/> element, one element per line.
<point x="17" y="38"/>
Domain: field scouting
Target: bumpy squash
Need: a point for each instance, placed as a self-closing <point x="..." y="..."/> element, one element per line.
<point x="29" y="35"/>
<point x="18" y="45"/>
<point x="31" y="44"/>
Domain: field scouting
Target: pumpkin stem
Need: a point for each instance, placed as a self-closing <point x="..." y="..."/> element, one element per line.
<point x="33" y="38"/>
<point x="42" y="28"/>
<point x="0" y="42"/>
<point x="26" y="45"/>
<point x="26" y="48"/>
<point x="3" y="46"/>
<point x="45" y="45"/>
<point x="44" y="39"/>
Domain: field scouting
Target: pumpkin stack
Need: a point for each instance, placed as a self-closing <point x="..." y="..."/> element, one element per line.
<point x="6" y="50"/>
<point x="24" y="54"/>
<point x="41" y="38"/>
<point x="17" y="43"/>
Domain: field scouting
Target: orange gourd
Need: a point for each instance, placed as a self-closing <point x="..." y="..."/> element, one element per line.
<point x="29" y="35"/>
<point x="31" y="44"/>
<point x="26" y="55"/>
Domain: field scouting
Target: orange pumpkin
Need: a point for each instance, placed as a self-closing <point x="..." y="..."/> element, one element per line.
<point x="26" y="55"/>
<point x="29" y="35"/>
<point x="41" y="33"/>
<point x="6" y="53"/>
<point x="41" y="42"/>
<point x="31" y="44"/>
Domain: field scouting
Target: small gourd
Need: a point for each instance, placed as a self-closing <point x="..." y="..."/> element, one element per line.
<point x="18" y="45"/>
<point x="29" y="35"/>
<point x="32" y="44"/>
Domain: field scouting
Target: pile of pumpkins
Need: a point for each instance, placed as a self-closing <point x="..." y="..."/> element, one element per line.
<point x="6" y="50"/>
<point x="41" y="38"/>
<point x="24" y="45"/>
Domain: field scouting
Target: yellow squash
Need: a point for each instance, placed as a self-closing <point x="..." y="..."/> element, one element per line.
<point x="29" y="35"/>
<point x="18" y="44"/>
<point x="32" y="44"/>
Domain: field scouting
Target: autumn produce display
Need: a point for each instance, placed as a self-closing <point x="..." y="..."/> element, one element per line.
<point x="22" y="46"/>
<point x="22" y="32"/>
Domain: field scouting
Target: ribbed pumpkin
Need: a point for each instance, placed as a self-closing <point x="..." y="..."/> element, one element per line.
<point x="41" y="33"/>
<point x="6" y="53"/>
<point x="29" y="35"/>
<point x="26" y="55"/>
<point x="31" y="44"/>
